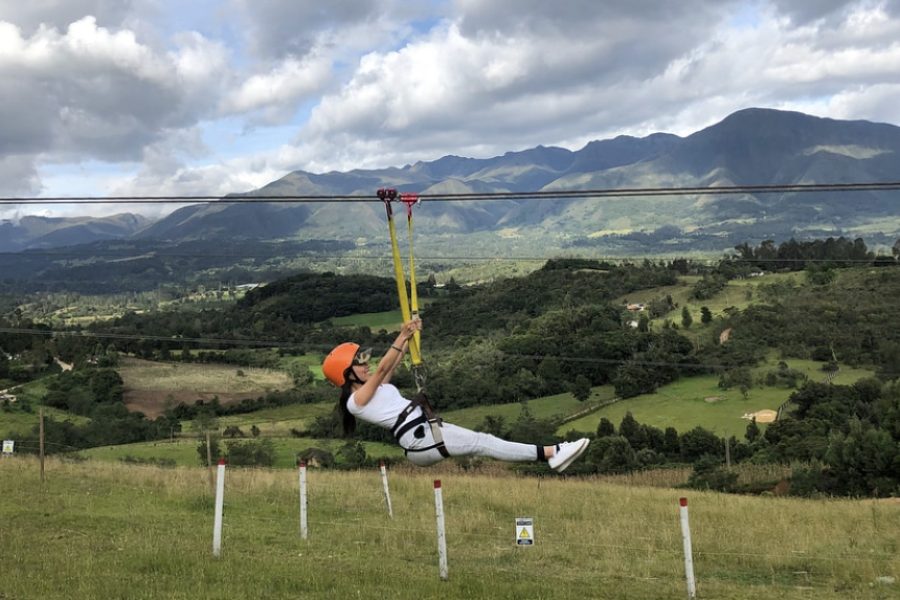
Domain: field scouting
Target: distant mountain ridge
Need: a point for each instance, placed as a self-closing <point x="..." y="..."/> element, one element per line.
<point x="750" y="147"/>
<point x="33" y="232"/>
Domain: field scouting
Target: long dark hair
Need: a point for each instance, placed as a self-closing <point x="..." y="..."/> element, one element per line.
<point x="348" y="421"/>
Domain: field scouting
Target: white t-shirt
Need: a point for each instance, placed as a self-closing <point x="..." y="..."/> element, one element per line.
<point x="383" y="409"/>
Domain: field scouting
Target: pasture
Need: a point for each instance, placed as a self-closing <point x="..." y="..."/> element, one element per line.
<point x="115" y="531"/>
<point x="694" y="401"/>
<point x="150" y="387"/>
<point x="558" y="406"/>
<point x="183" y="451"/>
<point x="389" y="320"/>
<point x="738" y="293"/>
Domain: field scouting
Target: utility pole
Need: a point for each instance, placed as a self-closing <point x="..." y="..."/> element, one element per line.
<point x="209" y="459"/>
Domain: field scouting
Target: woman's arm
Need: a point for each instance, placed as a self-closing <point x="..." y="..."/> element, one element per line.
<point x="387" y="364"/>
<point x="396" y="357"/>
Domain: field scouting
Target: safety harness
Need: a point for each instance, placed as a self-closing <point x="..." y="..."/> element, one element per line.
<point x="409" y="309"/>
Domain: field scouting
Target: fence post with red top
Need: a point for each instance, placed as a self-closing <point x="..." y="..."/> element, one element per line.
<point x="688" y="554"/>
<point x="301" y="465"/>
<point x="220" y="504"/>
<point x="441" y="534"/>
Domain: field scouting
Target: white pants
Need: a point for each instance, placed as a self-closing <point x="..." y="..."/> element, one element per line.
<point x="464" y="442"/>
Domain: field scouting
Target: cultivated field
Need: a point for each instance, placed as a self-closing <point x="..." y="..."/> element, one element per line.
<point x="152" y="386"/>
<point x="113" y="531"/>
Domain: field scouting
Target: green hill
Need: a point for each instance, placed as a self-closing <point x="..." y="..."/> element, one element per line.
<point x="113" y="531"/>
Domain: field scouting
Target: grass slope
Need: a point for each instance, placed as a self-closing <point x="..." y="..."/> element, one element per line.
<point x="184" y="450"/>
<point x="694" y="401"/>
<point x="112" y="531"/>
<point x="151" y="386"/>
<point x="548" y="407"/>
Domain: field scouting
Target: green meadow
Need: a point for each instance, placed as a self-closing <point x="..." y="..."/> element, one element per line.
<point x="694" y="401"/>
<point x="389" y="320"/>
<point x="184" y="450"/>
<point x="98" y="531"/>
<point x="549" y="407"/>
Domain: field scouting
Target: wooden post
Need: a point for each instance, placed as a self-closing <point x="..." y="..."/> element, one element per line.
<point x="209" y="459"/>
<point x="42" y="442"/>
<point x="387" y="492"/>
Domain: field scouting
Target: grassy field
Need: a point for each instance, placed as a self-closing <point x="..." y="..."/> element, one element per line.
<point x="313" y="362"/>
<point x="695" y="401"/>
<point x="390" y="320"/>
<point x="184" y="450"/>
<point x="151" y="386"/>
<point x="116" y="531"/>
<point x="18" y="422"/>
<point x="275" y="421"/>
<point x="560" y="405"/>
<point x="739" y="293"/>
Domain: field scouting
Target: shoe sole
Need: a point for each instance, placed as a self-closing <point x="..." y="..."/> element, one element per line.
<point x="565" y="464"/>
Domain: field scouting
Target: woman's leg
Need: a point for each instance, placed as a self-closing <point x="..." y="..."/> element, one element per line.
<point x="465" y="442"/>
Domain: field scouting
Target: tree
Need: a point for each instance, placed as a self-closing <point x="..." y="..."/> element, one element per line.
<point x="605" y="428"/>
<point x="705" y="315"/>
<point x="752" y="434"/>
<point x="686" y="319"/>
<point x="699" y="442"/>
<point x="214" y="450"/>
<point x="233" y="431"/>
<point x="612" y="454"/>
<point x="251" y="453"/>
<point x="581" y="388"/>
<point x="352" y="454"/>
<point x="493" y="425"/>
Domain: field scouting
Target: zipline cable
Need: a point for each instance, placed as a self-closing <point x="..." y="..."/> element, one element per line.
<point x="470" y="196"/>
<point x="698" y="366"/>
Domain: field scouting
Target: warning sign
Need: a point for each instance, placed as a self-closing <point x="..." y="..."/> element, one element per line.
<point x="524" y="531"/>
<point x="8" y="446"/>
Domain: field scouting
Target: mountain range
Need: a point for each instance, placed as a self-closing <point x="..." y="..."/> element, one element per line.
<point x="750" y="147"/>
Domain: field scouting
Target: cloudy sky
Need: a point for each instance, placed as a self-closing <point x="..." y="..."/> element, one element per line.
<point x="149" y="97"/>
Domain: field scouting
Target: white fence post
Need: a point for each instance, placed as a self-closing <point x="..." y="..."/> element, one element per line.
<point x="688" y="554"/>
<point x="387" y="492"/>
<point x="220" y="504"/>
<point x="441" y="534"/>
<point x="304" y="532"/>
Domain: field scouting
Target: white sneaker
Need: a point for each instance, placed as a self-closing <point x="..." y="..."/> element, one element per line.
<point x="566" y="454"/>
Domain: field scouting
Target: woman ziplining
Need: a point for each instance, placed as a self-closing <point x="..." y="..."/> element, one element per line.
<point x="369" y="395"/>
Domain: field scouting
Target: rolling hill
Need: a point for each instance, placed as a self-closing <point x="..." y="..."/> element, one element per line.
<point x="750" y="147"/>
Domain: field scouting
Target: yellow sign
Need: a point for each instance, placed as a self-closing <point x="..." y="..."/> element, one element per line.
<point x="524" y="531"/>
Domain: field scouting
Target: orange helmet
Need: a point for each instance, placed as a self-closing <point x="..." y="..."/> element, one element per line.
<point x="342" y="358"/>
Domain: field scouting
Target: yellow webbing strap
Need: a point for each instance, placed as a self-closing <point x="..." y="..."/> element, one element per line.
<point x="414" y="354"/>
<point x="414" y="294"/>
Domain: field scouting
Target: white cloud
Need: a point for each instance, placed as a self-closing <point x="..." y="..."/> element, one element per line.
<point x="277" y="93"/>
<point x="386" y="82"/>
